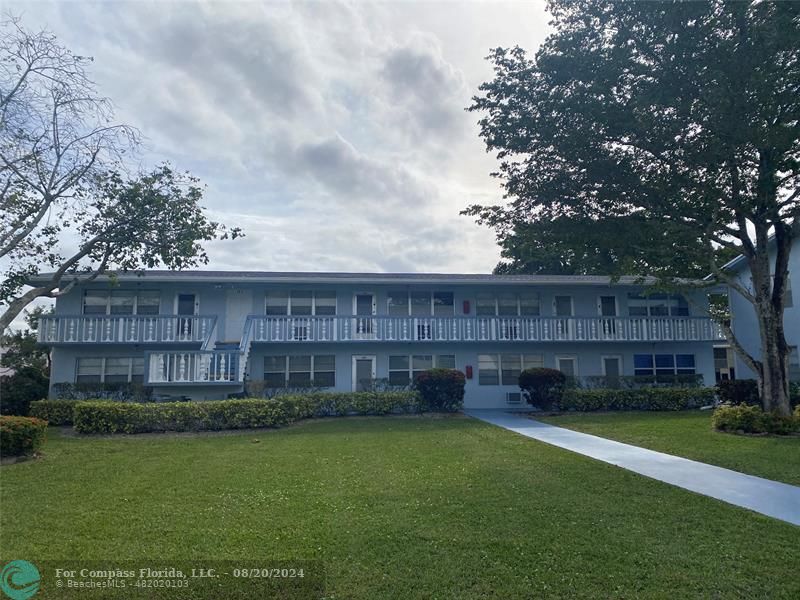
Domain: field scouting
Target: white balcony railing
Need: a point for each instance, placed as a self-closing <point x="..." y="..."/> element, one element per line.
<point x="482" y="329"/>
<point x="130" y="329"/>
<point x="191" y="367"/>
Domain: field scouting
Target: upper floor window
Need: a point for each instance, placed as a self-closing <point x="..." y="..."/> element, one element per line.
<point x="301" y="303"/>
<point x="402" y="303"/>
<point x="121" y="302"/>
<point x="657" y="305"/>
<point x="507" y="304"/>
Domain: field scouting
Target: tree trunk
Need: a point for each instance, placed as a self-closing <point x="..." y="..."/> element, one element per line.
<point x="773" y="380"/>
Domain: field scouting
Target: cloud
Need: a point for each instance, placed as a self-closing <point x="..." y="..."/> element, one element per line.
<point x="334" y="133"/>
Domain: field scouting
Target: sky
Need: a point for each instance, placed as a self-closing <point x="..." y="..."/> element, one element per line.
<point x="333" y="133"/>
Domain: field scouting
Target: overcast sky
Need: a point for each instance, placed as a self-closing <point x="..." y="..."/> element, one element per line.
<point x="334" y="134"/>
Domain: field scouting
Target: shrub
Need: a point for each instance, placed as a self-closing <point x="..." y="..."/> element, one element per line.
<point x="55" y="412"/>
<point x="122" y="391"/>
<point x="20" y="436"/>
<point x="738" y="391"/>
<point x="751" y="419"/>
<point x="98" y="416"/>
<point x="20" y="388"/>
<point x="543" y="388"/>
<point x="643" y="399"/>
<point x="441" y="389"/>
<point x="637" y="382"/>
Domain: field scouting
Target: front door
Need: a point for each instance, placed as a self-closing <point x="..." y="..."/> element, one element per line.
<point x="612" y="369"/>
<point x="562" y="307"/>
<point x="186" y="306"/>
<point x="364" y="308"/>
<point x="607" y="308"/>
<point x="363" y="373"/>
<point x="238" y="304"/>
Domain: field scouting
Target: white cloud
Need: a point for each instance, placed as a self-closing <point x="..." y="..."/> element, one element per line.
<point x="333" y="133"/>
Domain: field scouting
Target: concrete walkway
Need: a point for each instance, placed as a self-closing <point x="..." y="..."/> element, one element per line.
<point x="771" y="498"/>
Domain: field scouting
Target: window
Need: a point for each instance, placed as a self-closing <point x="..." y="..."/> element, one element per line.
<point x="110" y="370"/>
<point x="121" y="302"/>
<point x="488" y="369"/>
<point x="403" y="369"/>
<point x="663" y="364"/>
<point x="657" y="305"/>
<point x="300" y="371"/>
<point x="300" y="303"/>
<point x="443" y="304"/>
<point x="568" y="365"/>
<point x="275" y="371"/>
<point x="507" y="304"/>
<point x="420" y="303"/>
<point x="494" y="369"/>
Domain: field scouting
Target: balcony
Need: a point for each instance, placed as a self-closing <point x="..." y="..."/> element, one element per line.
<point x="274" y="329"/>
<point x="125" y="329"/>
<point x="212" y="366"/>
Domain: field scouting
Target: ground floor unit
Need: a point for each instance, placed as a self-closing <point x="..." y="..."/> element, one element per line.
<point x="491" y="370"/>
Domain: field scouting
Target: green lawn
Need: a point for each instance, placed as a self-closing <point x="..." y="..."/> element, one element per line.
<point x="394" y="507"/>
<point x="689" y="434"/>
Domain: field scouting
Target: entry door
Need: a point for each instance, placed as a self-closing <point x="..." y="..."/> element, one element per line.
<point x="238" y="304"/>
<point x="562" y="307"/>
<point x="363" y="372"/>
<point x="607" y="309"/>
<point x="186" y="306"/>
<point x="364" y="308"/>
<point x="567" y="365"/>
<point x="612" y="369"/>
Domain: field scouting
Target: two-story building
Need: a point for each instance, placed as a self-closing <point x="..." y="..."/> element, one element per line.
<point x="202" y="334"/>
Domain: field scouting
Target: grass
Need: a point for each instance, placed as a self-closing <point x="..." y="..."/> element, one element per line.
<point x="689" y="434"/>
<point x="394" y="508"/>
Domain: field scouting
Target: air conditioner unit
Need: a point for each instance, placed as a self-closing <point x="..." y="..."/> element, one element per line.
<point x="513" y="398"/>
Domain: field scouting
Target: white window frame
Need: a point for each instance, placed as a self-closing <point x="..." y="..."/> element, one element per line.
<point x="102" y="360"/>
<point x="572" y="357"/>
<point x="496" y="301"/>
<point x="410" y="370"/>
<point x="675" y="367"/>
<point x="499" y="355"/>
<point x="603" y="363"/>
<point x="286" y="368"/>
<point x="108" y="302"/>
<point x="313" y="303"/>
<point x="431" y="307"/>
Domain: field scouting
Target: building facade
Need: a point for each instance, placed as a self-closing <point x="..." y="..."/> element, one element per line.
<point x="204" y="334"/>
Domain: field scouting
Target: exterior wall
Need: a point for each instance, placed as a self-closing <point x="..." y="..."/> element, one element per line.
<point x="212" y="301"/>
<point x="743" y="315"/>
<point x="589" y="358"/>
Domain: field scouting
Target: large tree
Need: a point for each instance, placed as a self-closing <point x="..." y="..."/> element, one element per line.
<point x="68" y="204"/>
<point x="682" y="116"/>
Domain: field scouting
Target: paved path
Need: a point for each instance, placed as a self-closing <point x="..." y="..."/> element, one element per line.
<point x="771" y="498"/>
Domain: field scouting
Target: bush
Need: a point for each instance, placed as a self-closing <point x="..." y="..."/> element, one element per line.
<point x="55" y="412"/>
<point x="20" y="436"/>
<point x="542" y="388"/>
<point x="637" y="382"/>
<point x="738" y="391"/>
<point x="441" y="389"/>
<point x="20" y="388"/>
<point x="643" y="399"/>
<point x="97" y="416"/>
<point x="751" y="419"/>
<point x="122" y="391"/>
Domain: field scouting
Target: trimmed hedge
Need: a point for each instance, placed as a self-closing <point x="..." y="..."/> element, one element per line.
<point x="441" y="389"/>
<point x="55" y="412"/>
<point x="20" y="436"/>
<point x="212" y="415"/>
<point x="642" y="399"/>
<point x="542" y="388"/>
<point x="751" y="419"/>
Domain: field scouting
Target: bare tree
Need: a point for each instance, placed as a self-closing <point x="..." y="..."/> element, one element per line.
<point x="64" y="205"/>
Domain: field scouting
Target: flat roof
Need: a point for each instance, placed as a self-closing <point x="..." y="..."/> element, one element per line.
<point x="388" y="278"/>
